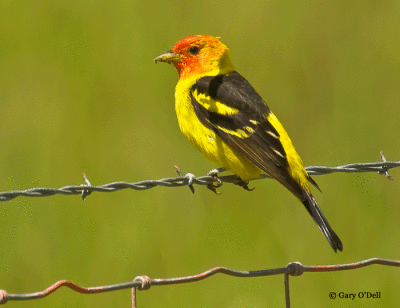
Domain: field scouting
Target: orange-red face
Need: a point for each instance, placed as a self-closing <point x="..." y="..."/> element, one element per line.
<point x="194" y="54"/>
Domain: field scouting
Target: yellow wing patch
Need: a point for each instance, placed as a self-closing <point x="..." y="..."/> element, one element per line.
<point x="212" y="105"/>
<point x="249" y="129"/>
<point x="238" y="133"/>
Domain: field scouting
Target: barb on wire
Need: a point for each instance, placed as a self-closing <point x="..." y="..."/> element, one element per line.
<point x="144" y="282"/>
<point x="386" y="170"/>
<point x="188" y="180"/>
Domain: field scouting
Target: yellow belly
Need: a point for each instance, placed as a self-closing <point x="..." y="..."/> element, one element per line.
<point x="207" y="142"/>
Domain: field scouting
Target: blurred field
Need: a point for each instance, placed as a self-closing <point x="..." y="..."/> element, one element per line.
<point x="79" y="92"/>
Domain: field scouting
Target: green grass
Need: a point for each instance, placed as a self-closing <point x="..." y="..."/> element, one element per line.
<point x="79" y="92"/>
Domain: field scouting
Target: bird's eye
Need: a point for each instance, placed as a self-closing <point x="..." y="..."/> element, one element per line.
<point x="194" y="50"/>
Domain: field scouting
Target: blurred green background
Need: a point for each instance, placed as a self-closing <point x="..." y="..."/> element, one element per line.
<point x="79" y="92"/>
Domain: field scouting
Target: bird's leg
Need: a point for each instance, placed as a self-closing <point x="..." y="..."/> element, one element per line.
<point x="245" y="184"/>
<point x="214" y="174"/>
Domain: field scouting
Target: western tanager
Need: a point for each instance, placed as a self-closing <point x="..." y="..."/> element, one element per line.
<point x="229" y="123"/>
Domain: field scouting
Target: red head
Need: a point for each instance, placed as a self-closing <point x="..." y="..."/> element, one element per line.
<point x="197" y="54"/>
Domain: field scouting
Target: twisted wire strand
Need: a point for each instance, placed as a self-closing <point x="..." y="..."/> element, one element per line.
<point x="144" y="282"/>
<point x="187" y="180"/>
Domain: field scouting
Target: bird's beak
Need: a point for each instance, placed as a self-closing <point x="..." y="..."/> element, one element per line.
<point x="169" y="57"/>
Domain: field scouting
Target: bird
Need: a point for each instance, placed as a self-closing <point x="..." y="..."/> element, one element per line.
<point x="225" y="118"/>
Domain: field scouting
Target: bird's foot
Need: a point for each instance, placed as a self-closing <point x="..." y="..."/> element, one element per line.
<point x="213" y="187"/>
<point x="244" y="184"/>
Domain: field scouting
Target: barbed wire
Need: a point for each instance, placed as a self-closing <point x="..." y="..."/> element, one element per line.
<point x="144" y="282"/>
<point x="188" y="180"/>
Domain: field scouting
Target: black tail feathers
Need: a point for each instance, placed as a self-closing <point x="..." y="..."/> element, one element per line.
<point x="316" y="213"/>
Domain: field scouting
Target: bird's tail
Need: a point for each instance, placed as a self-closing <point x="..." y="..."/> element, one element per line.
<point x="316" y="213"/>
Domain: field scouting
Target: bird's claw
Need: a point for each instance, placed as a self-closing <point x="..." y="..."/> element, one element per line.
<point x="213" y="187"/>
<point x="244" y="184"/>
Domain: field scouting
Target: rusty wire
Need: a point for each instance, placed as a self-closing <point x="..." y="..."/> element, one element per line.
<point x="188" y="180"/>
<point x="144" y="282"/>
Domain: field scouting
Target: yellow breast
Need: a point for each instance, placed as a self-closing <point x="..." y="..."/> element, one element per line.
<point x="205" y="140"/>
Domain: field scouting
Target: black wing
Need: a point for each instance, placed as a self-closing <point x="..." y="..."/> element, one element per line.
<point x="259" y="141"/>
<point x="261" y="145"/>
